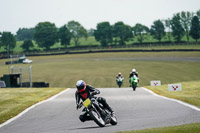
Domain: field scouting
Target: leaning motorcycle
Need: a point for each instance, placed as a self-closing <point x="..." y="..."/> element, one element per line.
<point x="119" y="81"/>
<point x="134" y="82"/>
<point x="98" y="113"/>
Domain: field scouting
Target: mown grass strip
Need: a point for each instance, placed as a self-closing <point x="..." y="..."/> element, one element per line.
<point x="100" y="70"/>
<point x="15" y="100"/>
<point x="188" y="128"/>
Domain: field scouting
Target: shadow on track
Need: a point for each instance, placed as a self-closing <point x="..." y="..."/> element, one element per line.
<point x="90" y="127"/>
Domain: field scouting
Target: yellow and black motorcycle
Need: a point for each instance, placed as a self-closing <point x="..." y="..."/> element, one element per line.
<point x="98" y="113"/>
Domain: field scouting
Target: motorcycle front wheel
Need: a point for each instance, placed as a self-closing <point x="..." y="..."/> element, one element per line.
<point x="113" y="120"/>
<point x="119" y="84"/>
<point x="97" y="118"/>
<point x="134" y="86"/>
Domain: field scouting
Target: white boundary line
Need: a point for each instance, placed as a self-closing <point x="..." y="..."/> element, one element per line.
<point x="171" y="99"/>
<point x="31" y="107"/>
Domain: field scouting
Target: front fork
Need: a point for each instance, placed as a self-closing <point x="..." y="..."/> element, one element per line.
<point x="95" y="108"/>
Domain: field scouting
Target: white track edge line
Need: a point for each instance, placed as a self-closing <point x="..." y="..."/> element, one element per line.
<point x="175" y="100"/>
<point x="31" y="107"/>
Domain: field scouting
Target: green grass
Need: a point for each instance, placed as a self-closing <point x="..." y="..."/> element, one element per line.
<point x="100" y="69"/>
<point x="189" y="128"/>
<point x="15" y="100"/>
<point x="190" y="92"/>
<point x="90" y="41"/>
<point x="153" y="47"/>
<point x="18" y="48"/>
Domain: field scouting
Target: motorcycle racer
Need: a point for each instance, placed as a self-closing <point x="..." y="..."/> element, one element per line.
<point x="119" y="76"/>
<point x="85" y="91"/>
<point x="119" y="79"/>
<point x="132" y="73"/>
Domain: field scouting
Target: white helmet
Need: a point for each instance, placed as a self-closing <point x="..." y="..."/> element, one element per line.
<point x="80" y="85"/>
<point x="133" y="70"/>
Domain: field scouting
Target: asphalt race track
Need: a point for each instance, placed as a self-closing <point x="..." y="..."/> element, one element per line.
<point x="134" y="110"/>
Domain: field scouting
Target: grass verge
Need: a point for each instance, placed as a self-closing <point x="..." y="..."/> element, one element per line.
<point x="189" y="128"/>
<point x="15" y="100"/>
<point x="190" y="94"/>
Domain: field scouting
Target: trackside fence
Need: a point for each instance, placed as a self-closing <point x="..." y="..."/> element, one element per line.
<point x="136" y="47"/>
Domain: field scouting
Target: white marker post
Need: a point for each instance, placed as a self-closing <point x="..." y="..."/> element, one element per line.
<point x="174" y="87"/>
<point x="156" y="83"/>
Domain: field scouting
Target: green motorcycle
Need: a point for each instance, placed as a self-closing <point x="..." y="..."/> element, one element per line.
<point x="134" y="82"/>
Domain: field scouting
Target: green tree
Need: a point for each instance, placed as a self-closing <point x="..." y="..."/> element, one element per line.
<point x="103" y="33"/>
<point x="27" y="45"/>
<point x="157" y="30"/>
<point x="46" y="34"/>
<point x="177" y="29"/>
<point x="8" y="41"/>
<point x="91" y="32"/>
<point x="198" y="14"/>
<point x="25" y="34"/>
<point x="77" y="31"/>
<point x="64" y="35"/>
<point x="0" y="40"/>
<point x="195" y="28"/>
<point x="186" y="18"/>
<point x="122" y="32"/>
<point x="140" y="30"/>
<point x="169" y="28"/>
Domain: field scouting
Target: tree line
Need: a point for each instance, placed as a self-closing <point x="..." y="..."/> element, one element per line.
<point x="46" y="34"/>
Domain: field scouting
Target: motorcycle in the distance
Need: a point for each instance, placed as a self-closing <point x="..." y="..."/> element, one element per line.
<point x="134" y="82"/>
<point x="98" y="113"/>
<point x="119" y="81"/>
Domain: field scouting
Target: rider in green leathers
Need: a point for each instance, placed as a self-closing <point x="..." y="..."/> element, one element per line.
<point x="132" y="73"/>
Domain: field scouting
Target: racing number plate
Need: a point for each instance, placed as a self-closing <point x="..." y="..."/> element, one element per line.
<point x="87" y="102"/>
